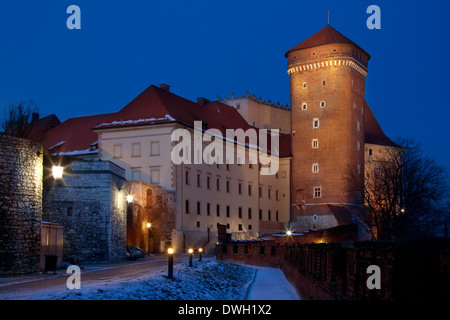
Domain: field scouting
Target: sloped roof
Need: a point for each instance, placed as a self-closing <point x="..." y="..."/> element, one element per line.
<point x="341" y="214"/>
<point x="326" y="35"/>
<point x="41" y="126"/>
<point x="73" y="136"/>
<point x="153" y="106"/>
<point x="373" y="132"/>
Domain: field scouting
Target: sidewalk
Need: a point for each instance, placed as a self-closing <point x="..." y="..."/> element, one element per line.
<point x="271" y="284"/>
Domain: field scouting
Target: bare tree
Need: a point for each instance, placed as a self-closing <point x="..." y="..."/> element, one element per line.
<point x="404" y="192"/>
<point x="19" y="119"/>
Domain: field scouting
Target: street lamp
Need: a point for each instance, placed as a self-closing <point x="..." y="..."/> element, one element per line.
<point x="190" y="257"/>
<point x="200" y="250"/>
<point x="129" y="198"/>
<point x="57" y="172"/>
<point x="149" y="225"/>
<point x="170" y="263"/>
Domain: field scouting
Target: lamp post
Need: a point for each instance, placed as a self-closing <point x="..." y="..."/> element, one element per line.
<point x="190" y="257"/>
<point x="200" y="250"/>
<point x="170" y="262"/>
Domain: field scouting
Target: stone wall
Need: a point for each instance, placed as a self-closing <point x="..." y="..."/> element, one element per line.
<point x="20" y="205"/>
<point x="90" y="202"/>
<point x="151" y="204"/>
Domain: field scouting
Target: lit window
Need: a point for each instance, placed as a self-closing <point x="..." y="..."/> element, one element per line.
<point x="315" y="143"/>
<point x="315" y="168"/>
<point x="315" y="122"/>
<point x="317" y="192"/>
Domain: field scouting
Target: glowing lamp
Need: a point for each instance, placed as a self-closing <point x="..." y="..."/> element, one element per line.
<point x="289" y="233"/>
<point x="57" y="172"/>
<point x="190" y="250"/>
<point x="170" y="251"/>
<point x="200" y="250"/>
<point x="129" y="198"/>
<point x="149" y="225"/>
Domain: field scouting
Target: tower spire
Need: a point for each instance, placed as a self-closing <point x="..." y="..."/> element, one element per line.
<point x="328" y="16"/>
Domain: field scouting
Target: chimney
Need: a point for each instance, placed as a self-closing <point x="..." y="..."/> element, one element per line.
<point x="165" y="87"/>
<point x="34" y="117"/>
<point x="202" y="101"/>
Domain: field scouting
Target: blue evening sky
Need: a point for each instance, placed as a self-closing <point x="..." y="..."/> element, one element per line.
<point x="205" y="48"/>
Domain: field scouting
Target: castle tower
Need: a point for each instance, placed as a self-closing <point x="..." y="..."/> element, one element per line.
<point x="327" y="82"/>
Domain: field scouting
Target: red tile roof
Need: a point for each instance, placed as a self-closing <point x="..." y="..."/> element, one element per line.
<point x="326" y="35"/>
<point x="373" y="132"/>
<point x="41" y="126"/>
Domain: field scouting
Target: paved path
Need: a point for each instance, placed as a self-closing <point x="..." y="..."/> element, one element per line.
<point x="271" y="284"/>
<point x="26" y="287"/>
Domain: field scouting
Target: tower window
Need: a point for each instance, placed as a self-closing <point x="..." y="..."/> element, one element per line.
<point x="315" y="122"/>
<point x="315" y="217"/>
<point x="370" y="152"/>
<point x="323" y="82"/>
<point x="315" y="168"/>
<point x="304" y="106"/>
<point x="304" y="85"/>
<point x="322" y="104"/>
<point x="317" y="192"/>
<point x="315" y="143"/>
<point x="198" y="207"/>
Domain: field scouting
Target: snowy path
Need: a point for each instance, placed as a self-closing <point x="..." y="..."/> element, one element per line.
<point x="271" y="284"/>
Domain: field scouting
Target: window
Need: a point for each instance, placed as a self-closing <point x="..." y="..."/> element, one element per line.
<point x="276" y="195"/>
<point x="136" y="174"/>
<point x="249" y="213"/>
<point x="315" y="143"/>
<point x="154" y="148"/>
<point x="249" y="227"/>
<point x="240" y="188"/>
<point x="136" y="149"/>
<point x="269" y="215"/>
<point x="315" y="217"/>
<point x="249" y="189"/>
<point x="276" y="215"/>
<point x="238" y="106"/>
<point x="69" y="211"/>
<point x="370" y="152"/>
<point x="240" y="212"/>
<point x="260" y="214"/>
<point x="198" y="180"/>
<point x="154" y="175"/>
<point x="315" y="168"/>
<point x="322" y="104"/>
<point x="269" y="191"/>
<point x="317" y="192"/>
<point x="358" y="146"/>
<point x="186" y="177"/>
<point x="304" y="106"/>
<point x="260" y="192"/>
<point x="323" y="82"/>
<point x="117" y="151"/>
<point x="228" y="167"/>
<point x="228" y="186"/>
<point x="187" y="206"/>
<point x="208" y="182"/>
<point x="208" y="209"/>
<point x="198" y="224"/>
<point x="228" y="211"/>
<point x="198" y="207"/>
<point x="358" y="127"/>
<point x="304" y="85"/>
<point x="218" y="210"/>
<point x="315" y="122"/>
<point x="240" y="227"/>
<point x="228" y="226"/>
<point x="218" y="184"/>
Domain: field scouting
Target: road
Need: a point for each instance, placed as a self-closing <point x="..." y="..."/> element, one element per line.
<point x="26" y="287"/>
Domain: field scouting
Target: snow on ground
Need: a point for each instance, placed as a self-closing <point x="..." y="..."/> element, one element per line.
<point x="206" y="280"/>
<point x="271" y="284"/>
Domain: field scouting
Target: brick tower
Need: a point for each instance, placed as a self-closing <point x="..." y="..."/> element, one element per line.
<point x="327" y="82"/>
